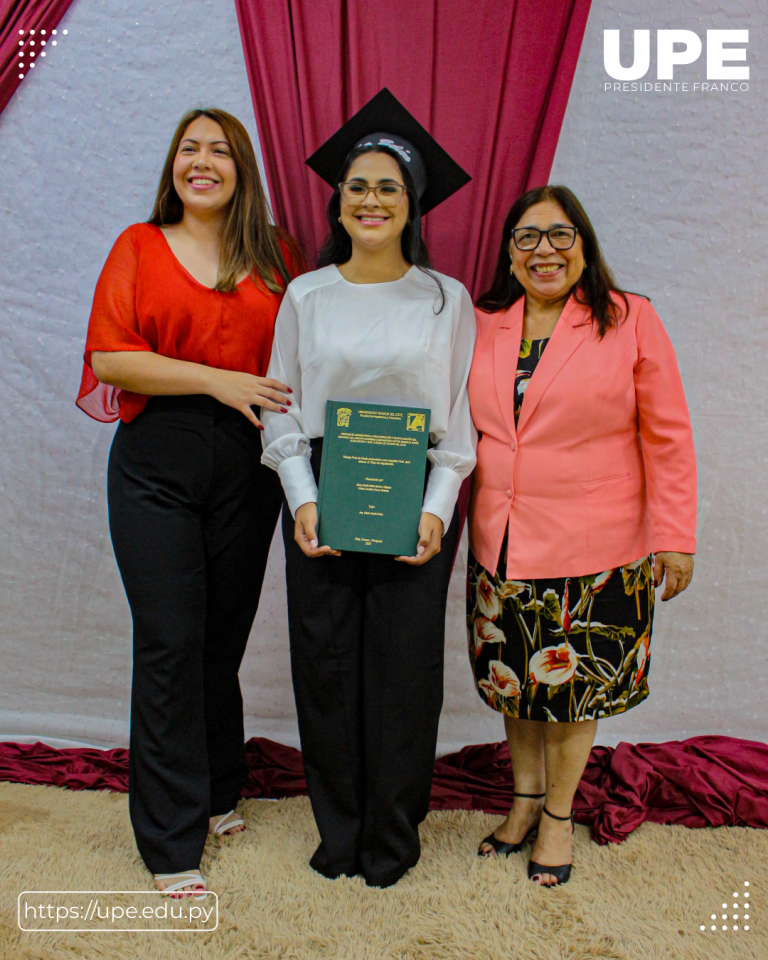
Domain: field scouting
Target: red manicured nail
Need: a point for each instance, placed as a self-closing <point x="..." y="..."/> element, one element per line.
<point x="288" y="402"/>
<point x="289" y="390"/>
<point x="283" y="410"/>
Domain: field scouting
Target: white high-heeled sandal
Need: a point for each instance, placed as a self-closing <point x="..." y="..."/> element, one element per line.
<point x="219" y="829"/>
<point x="187" y="878"/>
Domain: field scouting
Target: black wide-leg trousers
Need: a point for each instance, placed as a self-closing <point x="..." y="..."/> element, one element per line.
<point x="192" y="512"/>
<point x="367" y="639"/>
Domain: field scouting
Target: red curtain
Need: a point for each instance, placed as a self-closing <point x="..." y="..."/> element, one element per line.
<point x="489" y="78"/>
<point x="701" y="782"/>
<point x="24" y="15"/>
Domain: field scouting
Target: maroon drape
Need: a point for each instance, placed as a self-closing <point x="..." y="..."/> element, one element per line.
<point x="24" y="15"/>
<point x="701" y="782"/>
<point x="489" y="78"/>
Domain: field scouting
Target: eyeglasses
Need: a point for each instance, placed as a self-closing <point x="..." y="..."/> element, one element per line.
<point x="528" y="238"/>
<point x="388" y="194"/>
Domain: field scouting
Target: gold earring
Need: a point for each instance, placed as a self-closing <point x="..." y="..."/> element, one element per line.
<point x="512" y="268"/>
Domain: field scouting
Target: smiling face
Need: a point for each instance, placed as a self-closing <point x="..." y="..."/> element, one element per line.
<point x="204" y="172"/>
<point x="547" y="274"/>
<point x="369" y="224"/>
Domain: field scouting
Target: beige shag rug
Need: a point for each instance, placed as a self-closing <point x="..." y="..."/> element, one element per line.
<point x="643" y="900"/>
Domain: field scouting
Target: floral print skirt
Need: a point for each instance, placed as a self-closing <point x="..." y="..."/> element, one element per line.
<point x="566" y="649"/>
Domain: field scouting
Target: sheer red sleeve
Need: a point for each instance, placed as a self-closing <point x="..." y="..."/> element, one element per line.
<point x="113" y="325"/>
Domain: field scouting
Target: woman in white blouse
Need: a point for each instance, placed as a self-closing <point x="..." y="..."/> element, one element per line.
<point x="375" y="323"/>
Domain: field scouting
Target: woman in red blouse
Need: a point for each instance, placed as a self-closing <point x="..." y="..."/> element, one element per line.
<point x="178" y="343"/>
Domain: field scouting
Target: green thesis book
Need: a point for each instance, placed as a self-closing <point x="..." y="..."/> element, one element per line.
<point x="372" y="477"/>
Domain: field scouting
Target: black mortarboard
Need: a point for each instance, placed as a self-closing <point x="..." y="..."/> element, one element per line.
<point x="435" y="174"/>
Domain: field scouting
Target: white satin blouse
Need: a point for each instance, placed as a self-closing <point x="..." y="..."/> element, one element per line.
<point x="374" y="343"/>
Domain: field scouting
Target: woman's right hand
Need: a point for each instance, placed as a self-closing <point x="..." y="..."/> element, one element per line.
<point x="305" y="532"/>
<point x="242" y="391"/>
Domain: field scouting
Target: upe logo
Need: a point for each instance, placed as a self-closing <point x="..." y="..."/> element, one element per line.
<point x="342" y="416"/>
<point x="676" y="48"/>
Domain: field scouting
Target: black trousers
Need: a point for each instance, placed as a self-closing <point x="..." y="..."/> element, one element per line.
<point x="192" y="512"/>
<point x="367" y="638"/>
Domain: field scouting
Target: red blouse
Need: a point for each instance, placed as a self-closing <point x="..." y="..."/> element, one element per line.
<point x="146" y="300"/>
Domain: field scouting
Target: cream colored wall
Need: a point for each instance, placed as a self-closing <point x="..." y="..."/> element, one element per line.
<point x="675" y="184"/>
<point x="676" y="188"/>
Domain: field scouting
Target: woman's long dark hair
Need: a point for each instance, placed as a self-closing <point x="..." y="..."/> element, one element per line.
<point x="596" y="283"/>
<point x="338" y="244"/>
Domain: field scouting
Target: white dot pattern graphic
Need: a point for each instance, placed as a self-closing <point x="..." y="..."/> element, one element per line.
<point x="32" y="52"/>
<point x="736" y="916"/>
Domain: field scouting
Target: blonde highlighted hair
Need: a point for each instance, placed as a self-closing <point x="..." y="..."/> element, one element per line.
<point x="249" y="241"/>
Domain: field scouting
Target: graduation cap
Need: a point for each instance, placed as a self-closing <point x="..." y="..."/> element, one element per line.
<point x="435" y="174"/>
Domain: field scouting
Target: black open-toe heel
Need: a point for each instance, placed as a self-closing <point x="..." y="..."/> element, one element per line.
<point x="562" y="873"/>
<point x="506" y="848"/>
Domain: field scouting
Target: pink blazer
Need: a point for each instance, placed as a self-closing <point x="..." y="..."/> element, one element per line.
<point x="601" y="467"/>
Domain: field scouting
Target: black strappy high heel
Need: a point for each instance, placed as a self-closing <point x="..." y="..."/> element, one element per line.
<point x="506" y="848"/>
<point x="561" y="873"/>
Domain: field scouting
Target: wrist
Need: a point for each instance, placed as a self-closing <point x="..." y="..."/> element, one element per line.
<point x="209" y="380"/>
<point x="435" y="517"/>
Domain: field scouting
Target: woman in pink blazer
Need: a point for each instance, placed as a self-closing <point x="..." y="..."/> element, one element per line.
<point x="583" y="501"/>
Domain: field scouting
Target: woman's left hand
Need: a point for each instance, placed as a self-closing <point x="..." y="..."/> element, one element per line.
<point x="430" y="540"/>
<point x="676" y="569"/>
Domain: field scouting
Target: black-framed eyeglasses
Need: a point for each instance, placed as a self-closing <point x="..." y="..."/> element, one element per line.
<point x="528" y="238"/>
<point x="356" y="192"/>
